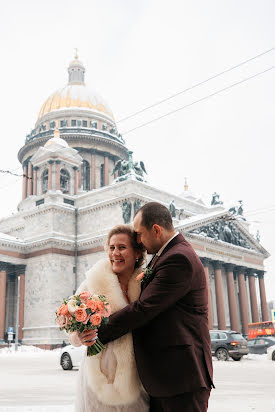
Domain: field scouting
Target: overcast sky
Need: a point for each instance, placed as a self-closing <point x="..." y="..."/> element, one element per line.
<point x="137" y="53"/>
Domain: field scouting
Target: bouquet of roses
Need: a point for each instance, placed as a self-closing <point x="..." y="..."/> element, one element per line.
<point x="83" y="312"/>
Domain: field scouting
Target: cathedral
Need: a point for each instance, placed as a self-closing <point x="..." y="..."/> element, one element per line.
<point x="79" y="180"/>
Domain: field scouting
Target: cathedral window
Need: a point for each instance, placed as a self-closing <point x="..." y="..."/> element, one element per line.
<point x="73" y="123"/>
<point x="63" y="123"/>
<point x="85" y="175"/>
<point x="45" y="180"/>
<point x="93" y="124"/>
<point x="84" y="123"/>
<point x="64" y="180"/>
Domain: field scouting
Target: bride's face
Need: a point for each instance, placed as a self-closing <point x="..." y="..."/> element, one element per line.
<point x="122" y="255"/>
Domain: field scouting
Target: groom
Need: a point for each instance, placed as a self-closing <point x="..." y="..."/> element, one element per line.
<point x="169" y="320"/>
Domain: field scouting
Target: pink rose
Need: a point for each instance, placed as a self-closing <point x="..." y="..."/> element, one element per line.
<point x="140" y="276"/>
<point x="100" y="305"/>
<point x="62" y="321"/>
<point x="81" y="315"/>
<point x="92" y="305"/>
<point x="62" y="310"/>
<point x="84" y="296"/>
<point x="95" y="319"/>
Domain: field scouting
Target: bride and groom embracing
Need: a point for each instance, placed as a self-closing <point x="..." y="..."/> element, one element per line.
<point x="157" y="356"/>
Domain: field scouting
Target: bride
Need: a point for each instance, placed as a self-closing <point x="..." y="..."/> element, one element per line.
<point x="108" y="382"/>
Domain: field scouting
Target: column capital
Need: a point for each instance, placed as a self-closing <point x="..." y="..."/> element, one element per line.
<point x="20" y="269"/>
<point x="50" y="161"/>
<point x="260" y="274"/>
<point x="229" y="267"/>
<point x="217" y="264"/>
<point x="58" y="161"/>
<point x="35" y="168"/>
<point x="250" y="272"/>
<point x="75" y="168"/>
<point x="205" y="261"/>
<point x="3" y="266"/>
<point x="240" y="270"/>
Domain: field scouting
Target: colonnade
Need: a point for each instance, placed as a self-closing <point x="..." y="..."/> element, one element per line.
<point x="7" y="270"/>
<point x="242" y="299"/>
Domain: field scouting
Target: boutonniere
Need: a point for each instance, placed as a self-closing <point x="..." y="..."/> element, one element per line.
<point x="145" y="275"/>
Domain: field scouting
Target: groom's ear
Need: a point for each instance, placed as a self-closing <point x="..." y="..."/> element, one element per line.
<point x="157" y="230"/>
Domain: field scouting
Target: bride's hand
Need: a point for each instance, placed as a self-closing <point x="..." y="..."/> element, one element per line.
<point x="88" y="337"/>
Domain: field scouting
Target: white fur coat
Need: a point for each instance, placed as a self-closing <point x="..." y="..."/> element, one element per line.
<point x="126" y="387"/>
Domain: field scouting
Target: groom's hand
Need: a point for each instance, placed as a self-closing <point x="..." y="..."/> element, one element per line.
<point x="89" y="337"/>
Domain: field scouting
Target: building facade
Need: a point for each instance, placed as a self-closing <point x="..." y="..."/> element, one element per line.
<point x="73" y="192"/>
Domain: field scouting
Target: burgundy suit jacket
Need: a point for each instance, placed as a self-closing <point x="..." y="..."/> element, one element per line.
<point x="169" y="323"/>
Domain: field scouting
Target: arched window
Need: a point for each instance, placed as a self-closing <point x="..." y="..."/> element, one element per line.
<point x="64" y="180"/>
<point x="85" y="174"/>
<point x="45" y="180"/>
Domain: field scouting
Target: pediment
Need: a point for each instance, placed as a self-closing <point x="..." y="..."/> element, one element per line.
<point x="223" y="227"/>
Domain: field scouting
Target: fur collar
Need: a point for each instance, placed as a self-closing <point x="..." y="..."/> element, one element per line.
<point x="126" y="387"/>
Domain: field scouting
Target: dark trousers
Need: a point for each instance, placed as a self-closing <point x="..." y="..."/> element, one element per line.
<point x="185" y="402"/>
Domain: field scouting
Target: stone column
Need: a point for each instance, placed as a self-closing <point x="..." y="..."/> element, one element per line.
<point x="21" y="268"/>
<point x="219" y="295"/>
<point x="58" y="167"/>
<point x="29" y="178"/>
<point x="35" y="180"/>
<point x="234" y="324"/>
<point x="93" y="171"/>
<point x="75" y="180"/>
<point x="3" y="286"/>
<point x="263" y="296"/>
<point x="80" y="176"/>
<point x="50" y="175"/>
<point x="243" y="299"/>
<point x="24" y="188"/>
<point x="106" y="171"/>
<point x="253" y="296"/>
<point x="205" y="263"/>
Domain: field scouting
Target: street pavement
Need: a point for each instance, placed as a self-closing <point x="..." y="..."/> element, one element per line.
<point x="35" y="382"/>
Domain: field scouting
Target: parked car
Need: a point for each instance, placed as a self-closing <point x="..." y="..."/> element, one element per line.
<point x="271" y="352"/>
<point x="260" y="344"/>
<point x="225" y="343"/>
<point x="71" y="356"/>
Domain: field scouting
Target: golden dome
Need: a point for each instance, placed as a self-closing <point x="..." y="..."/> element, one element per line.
<point x="75" y="96"/>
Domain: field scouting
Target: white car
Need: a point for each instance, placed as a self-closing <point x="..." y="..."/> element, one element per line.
<point x="71" y="356"/>
<point x="271" y="353"/>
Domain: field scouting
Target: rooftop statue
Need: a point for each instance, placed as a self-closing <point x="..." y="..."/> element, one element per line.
<point x="127" y="169"/>
<point x="237" y="210"/>
<point x="215" y="199"/>
<point x="172" y="208"/>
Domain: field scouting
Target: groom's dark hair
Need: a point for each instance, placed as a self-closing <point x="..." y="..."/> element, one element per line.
<point x="154" y="213"/>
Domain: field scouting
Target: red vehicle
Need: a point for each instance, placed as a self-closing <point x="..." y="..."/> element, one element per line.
<point x="261" y="329"/>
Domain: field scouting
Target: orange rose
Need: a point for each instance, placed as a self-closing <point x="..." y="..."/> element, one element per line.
<point x="63" y="310"/>
<point x="92" y="305"/>
<point x="140" y="276"/>
<point x="81" y="315"/>
<point x="95" y="319"/>
<point x="100" y="305"/>
<point x="84" y="296"/>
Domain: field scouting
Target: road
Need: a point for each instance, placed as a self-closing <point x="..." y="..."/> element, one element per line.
<point x="35" y="382"/>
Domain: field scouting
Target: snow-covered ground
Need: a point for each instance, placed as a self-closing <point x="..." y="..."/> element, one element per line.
<point x="32" y="380"/>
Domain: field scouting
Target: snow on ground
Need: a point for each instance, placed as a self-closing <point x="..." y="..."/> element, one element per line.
<point x="28" y="350"/>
